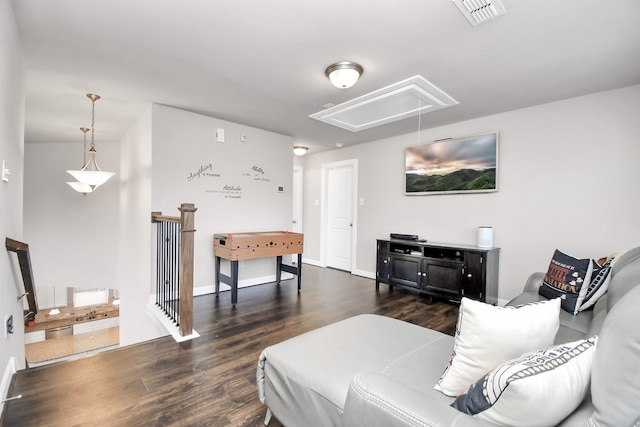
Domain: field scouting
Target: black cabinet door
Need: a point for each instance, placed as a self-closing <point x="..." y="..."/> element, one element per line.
<point x="443" y="278"/>
<point x="405" y="270"/>
<point x="474" y="277"/>
<point x="382" y="262"/>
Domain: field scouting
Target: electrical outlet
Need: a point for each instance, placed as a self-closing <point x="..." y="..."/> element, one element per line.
<point x="8" y="321"/>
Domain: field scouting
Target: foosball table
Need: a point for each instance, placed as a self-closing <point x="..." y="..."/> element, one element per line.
<point x="250" y="245"/>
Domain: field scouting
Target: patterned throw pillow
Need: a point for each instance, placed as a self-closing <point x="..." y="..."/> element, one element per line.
<point x="600" y="278"/>
<point x="538" y="389"/>
<point x="567" y="278"/>
<point x="487" y="336"/>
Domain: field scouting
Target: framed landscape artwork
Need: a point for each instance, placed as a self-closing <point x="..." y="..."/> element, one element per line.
<point x="457" y="165"/>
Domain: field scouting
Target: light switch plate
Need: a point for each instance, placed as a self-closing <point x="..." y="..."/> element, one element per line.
<point x="220" y="135"/>
<point x="5" y="172"/>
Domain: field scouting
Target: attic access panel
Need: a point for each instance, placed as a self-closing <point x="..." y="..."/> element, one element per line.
<point x="396" y="102"/>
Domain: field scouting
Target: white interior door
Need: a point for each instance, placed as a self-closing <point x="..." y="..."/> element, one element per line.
<point x="340" y="214"/>
<point x="296" y="226"/>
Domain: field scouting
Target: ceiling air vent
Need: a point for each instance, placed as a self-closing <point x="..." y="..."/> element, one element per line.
<point x="480" y="11"/>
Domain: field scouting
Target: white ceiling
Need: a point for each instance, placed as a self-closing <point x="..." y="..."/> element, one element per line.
<point x="261" y="63"/>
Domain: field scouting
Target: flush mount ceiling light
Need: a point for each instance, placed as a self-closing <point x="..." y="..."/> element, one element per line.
<point x="91" y="174"/>
<point x="344" y="74"/>
<point x="480" y="11"/>
<point x="398" y="101"/>
<point x="300" y="150"/>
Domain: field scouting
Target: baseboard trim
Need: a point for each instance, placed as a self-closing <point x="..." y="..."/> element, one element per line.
<point x="163" y="320"/>
<point x="312" y="262"/>
<point x="254" y="281"/>
<point x="9" y="372"/>
<point x="363" y="273"/>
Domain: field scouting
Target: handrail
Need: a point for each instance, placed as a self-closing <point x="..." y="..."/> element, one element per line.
<point x="158" y="217"/>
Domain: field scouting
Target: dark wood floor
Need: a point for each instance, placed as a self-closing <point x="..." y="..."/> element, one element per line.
<point x="209" y="381"/>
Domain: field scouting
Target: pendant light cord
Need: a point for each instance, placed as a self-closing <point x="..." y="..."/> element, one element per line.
<point x="419" y="119"/>
<point x="93" y="120"/>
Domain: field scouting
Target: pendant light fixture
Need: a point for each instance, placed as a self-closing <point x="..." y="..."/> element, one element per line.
<point x="91" y="174"/>
<point x="79" y="186"/>
<point x="344" y="74"/>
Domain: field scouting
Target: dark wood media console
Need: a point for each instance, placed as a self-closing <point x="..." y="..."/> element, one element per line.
<point x="439" y="270"/>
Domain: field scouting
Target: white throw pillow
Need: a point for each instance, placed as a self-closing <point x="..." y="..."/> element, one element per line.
<point x="538" y="389"/>
<point x="487" y="336"/>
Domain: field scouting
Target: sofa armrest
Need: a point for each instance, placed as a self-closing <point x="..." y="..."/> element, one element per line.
<point x="530" y="292"/>
<point x="533" y="282"/>
<point x="377" y="400"/>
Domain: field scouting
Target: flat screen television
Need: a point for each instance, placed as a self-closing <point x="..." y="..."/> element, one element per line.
<point x="456" y="165"/>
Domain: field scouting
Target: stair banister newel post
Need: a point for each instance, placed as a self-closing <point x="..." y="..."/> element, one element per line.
<point x="187" y="222"/>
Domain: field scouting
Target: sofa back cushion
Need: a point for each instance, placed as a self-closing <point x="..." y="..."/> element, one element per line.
<point x="615" y="378"/>
<point x="624" y="276"/>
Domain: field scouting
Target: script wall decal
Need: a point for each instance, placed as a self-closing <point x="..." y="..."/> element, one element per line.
<point x="203" y="171"/>
<point x="257" y="174"/>
<point x="228" y="191"/>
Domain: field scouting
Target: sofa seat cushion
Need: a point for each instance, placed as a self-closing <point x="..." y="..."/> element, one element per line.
<point x="574" y="327"/>
<point x="422" y="368"/>
<point x="313" y="370"/>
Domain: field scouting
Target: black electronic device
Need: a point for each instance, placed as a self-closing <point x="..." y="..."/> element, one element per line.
<point x="398" y="236"/>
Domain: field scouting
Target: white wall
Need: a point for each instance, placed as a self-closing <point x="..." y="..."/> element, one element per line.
<point x="11" y="150"/>
<point x="189" y="166"/>
<point x="71" y="236"/>
<point x="134" y="234"/>
<point x="569" y="179"/>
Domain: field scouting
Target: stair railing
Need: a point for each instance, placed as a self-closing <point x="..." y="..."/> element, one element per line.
<point x="174" y="265"/>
